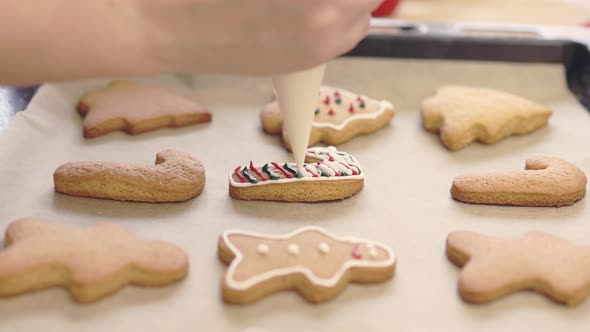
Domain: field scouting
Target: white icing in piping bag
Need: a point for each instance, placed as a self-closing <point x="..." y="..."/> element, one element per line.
<point x="297" y="94"/>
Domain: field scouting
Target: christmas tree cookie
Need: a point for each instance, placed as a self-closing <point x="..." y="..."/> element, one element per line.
<point x="340" y="116"/>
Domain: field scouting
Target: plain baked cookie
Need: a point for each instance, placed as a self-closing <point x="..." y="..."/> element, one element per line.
<point x="90" y="262"/>
<point x="341" y="115"/>
<point x="464" y="114"/>
<point x="546" y="181"/>
<point x="310" y="261"/>
<point x="493" y="267"/>
<point x="135" y="108"/>
<point x="328" y="175"/>
<point x="177" y="176"/>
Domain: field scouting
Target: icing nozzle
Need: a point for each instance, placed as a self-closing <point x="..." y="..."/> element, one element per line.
<point x="297" y="94"/>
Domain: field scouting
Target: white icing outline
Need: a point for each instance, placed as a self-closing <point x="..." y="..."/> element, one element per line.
<point x="313" y="153"/>
<point x="384" y="106"/>
<point x="323" y="282"/>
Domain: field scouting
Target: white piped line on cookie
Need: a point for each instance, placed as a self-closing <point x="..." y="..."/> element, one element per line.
<point x="385" y="106"/>
<point x="325" y="166"/>
<point x="324" y="282"/>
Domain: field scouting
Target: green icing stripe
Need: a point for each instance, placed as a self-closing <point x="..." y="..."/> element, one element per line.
<point x="248" y="176"/>
<point x="292" y="171"/>
<point x="357" y="168"/>
<point x="267" y="171"/>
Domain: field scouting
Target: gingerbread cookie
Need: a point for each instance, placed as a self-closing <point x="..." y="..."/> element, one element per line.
<point x="329" y="175"/>
<point x="546" y="181"/>
<point x="464" y="114"/>
<point x="493" y="267"/>
<point x="341" y="115"/>
<point x="310" y="261"/>
<point x="91" y="262"/>
<point x="177" y="176"/>
<point x="134" y="108"/>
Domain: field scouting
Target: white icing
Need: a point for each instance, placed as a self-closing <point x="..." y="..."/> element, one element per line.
<point x="326" y="169"/>
<point x="262" y="249"/>
<point x="297" y="96"/>
<point x="324" y="248"/>
<point x="373" y="253"/>
<point x="293" y="249"/>
<point x="326" y="166"/>
<point x="320" y="281"/>
<point x="384" y="106"/>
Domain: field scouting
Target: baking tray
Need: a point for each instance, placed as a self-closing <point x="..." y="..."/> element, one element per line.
<point x="405" y="203"/>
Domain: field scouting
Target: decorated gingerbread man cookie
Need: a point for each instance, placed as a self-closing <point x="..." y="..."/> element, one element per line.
<point x="465" y="114"/>
<point x="310" y="261"/>
<point x="493" y="267"/>
<point x="340" y="116"/>
<point x="329" y="174"/>
<point x="91" y="262"/>
<point x="134" y="108"/>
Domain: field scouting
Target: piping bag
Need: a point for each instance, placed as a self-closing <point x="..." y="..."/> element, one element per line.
<point x="297" y="94"/>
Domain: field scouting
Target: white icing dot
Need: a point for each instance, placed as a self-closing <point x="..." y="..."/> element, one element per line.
<point x="262" y="249"/>
<point x="373" y="252"/>
<point x="324" y="248"/>
<point x="293" y="249"/>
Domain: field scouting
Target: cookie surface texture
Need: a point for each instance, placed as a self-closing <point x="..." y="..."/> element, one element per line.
<point x="341" y="115"/>
<point x="546" y="181"/>
<point x="310" y="261"/>
<point x="463" y="115"/>
<point x="493" y="267"/>
<point x="133" y="108"/>
<point x="90" y="262"/>
<point x="177" y="176"/>
<point x="328" y="175"/>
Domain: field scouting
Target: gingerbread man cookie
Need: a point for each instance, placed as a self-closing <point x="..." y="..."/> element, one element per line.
<point x="341" y="115"/>
<point x="134" y="108"/>
<point x="546" y="181"/>
<point x="310" y="261"/>
<point x="91" y="262"/>
<point x="464" y="114"/>
<point x="329" y="175"/>
<point x="177" y="176"/>
<point x="493" y="267"/>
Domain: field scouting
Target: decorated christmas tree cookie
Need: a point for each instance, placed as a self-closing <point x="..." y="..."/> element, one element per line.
<point x="340" y="116"/>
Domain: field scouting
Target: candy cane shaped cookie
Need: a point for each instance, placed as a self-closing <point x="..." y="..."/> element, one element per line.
<point x="176" y="176"/>
<point x="329" y="175"/>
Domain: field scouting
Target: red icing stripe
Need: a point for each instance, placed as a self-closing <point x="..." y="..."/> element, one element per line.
<point x="312" y="173"/>
<point x="240" y="176"/>
<point x="287" y="174"/>
<point x="355" y="252"/>
<point x="354" y="171"/>
<point x="255" y="170"/>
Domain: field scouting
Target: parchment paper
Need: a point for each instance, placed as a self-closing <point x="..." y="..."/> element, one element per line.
<point x="405" y="203"/>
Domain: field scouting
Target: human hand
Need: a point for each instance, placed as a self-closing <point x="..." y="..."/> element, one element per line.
<point x="252" y="36"/>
